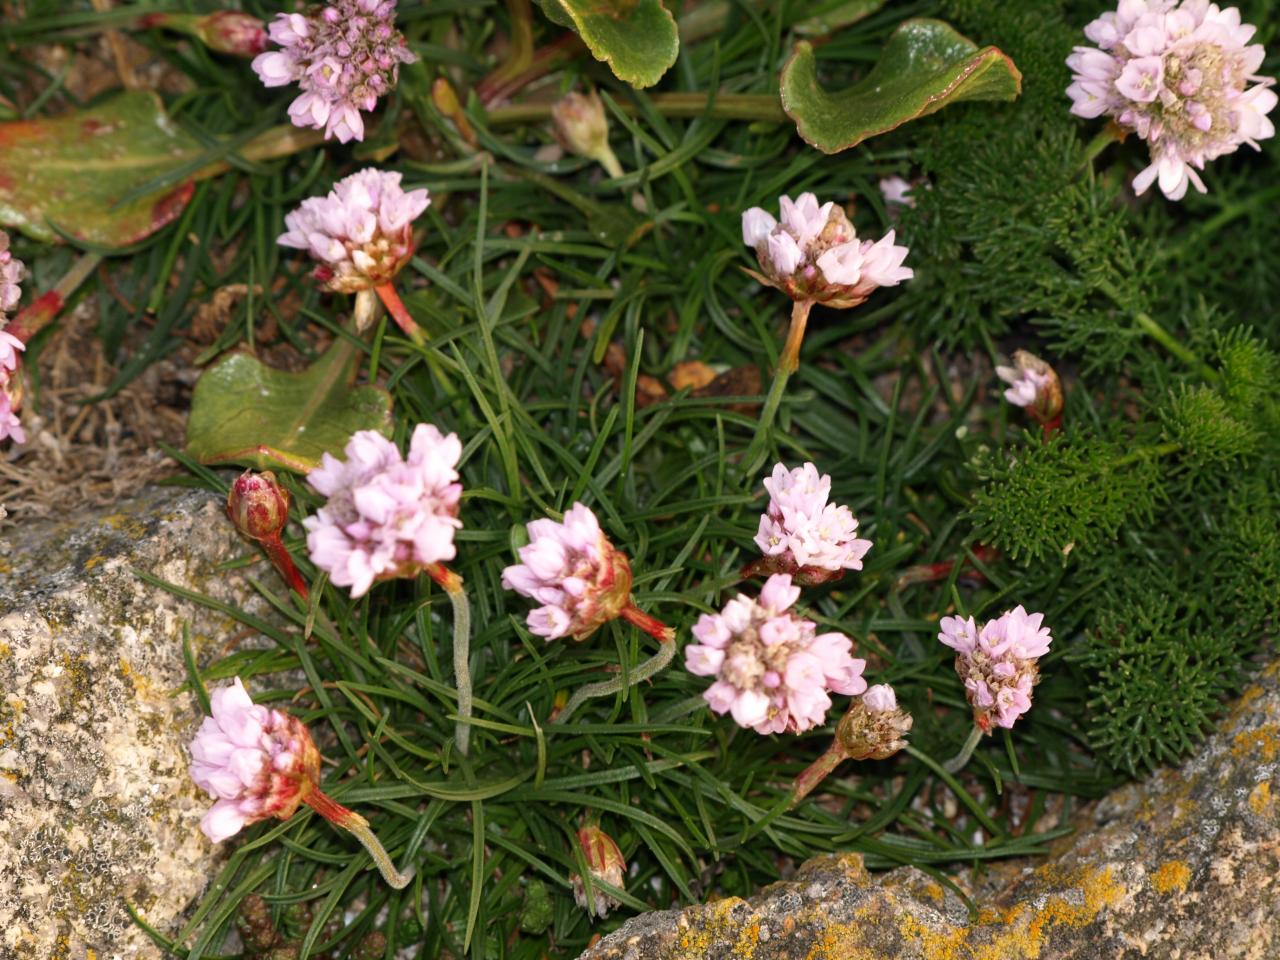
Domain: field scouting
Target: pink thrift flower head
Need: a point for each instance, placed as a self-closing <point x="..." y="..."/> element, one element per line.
<point x="804" y="535"/>
<point x="11" y="273"/>
<point x="1033" y="384"/>
<point x="361" y="234"/>
<point x="571" y="568"/>
<point x="255" y="762"/>
<point x="814" y="254"/>
<point x="343" y="57"/>
<point x="874" y="728"/>
<point x="774" y="672"/>
<point x="387" y="515"/>
<point x="606" y="863"/>
<point x="896" y="192"/>
<point x="997" y="663"/>
<point x="10" y="425"/>
<point x="1183" y="76"/>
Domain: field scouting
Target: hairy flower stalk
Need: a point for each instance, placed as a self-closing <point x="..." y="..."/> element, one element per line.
<point x="259" y="507"/>
<point x="773" y="671"/>
<point x="813" y="255"/>
<point x="1183" y="76"/>
<point x="12" y="271"/>
<point x="802" y="534"/>
<point x="392" y="517"/>
<point x="225" y="31"/>
<point x="1034" y="385"/>
<point x="361" y="235"/>
<point x="259" y="763"/>
<point x="606" y="864"/>
<point x="874" y="728"/>
<point x="343" y="57"/>
<point x="997" y="665"/>
<point x="582" y="581"/>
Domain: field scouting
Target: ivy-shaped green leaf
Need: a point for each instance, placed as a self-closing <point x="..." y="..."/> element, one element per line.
<point x="245" y="412"/>
<point x="925" y="66"/>
<point x="72" y="171"/>
<point x="636" y="38"/>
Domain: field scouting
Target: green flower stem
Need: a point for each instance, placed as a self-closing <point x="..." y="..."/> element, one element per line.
<point x="1163" y="337"/>
<point x="788" y="363"/>
<point x="452" y="585"/>
<point x="818" y="771"/>
<point x="957" y="763"/>
<point x="1158" y="450"/>
<point x="351" y="821"/>
<point x="719" y="106"/>
<point x="1110" y="134"/>
<point x="606" y="688"/>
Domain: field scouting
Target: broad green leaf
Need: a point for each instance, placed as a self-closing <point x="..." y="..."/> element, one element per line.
<point x="637" y="38"/>
<point x="925" y="66"/>
<point x="72" y="171"/>
<point x="245" y="412"/>
<point x="836" y="15"/>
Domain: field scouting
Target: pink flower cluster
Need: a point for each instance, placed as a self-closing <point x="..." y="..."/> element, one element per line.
<point x="387" y="515"/>
<point x="1024" y="384"/>
<point x="573" y="570"/>
<point x="814" y="253"/>
<point x="343" y="58"/>
<point x="255" y="762"/>
<point x="361" y="234"/>
<point x="800" y="529"/>
<point x="774" y="672"/>
<point x="11" y="273"/>
<point x="998" y="663"/>
<point x="1183" y="76"/>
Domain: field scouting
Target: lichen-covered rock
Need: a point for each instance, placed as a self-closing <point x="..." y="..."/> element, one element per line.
<point x="1183" y="866"/>
<point x="96" y="808"/>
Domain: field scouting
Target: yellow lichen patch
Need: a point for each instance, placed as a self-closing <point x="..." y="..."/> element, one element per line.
<point x="94" y="561"/>
<point x="1260" y="798"/>
<point x="1263" y="740"/>
<point x="5" y="566"/>
<point x="709" y="926"/>
<point x="1172" y="876"/>
<point x="935" y="944"/>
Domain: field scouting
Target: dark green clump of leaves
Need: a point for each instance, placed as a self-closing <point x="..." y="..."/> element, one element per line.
<point x="1046" y="500"/>
<point x="1157" y="682"/>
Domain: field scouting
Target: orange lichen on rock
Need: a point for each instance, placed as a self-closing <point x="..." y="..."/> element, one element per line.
<point x="1171" y="876"/>
<point x="1264" y="741"/>
<point x="1260" y="799"/>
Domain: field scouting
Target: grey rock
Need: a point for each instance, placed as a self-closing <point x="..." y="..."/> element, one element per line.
<point x="1184" y="865"/>
<point x="96" y="807"/>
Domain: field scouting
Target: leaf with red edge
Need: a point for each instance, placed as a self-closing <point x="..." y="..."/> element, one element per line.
<point x="243" y="411"/>
<point x="73" y="172"/>
<point x="925" y="65"/>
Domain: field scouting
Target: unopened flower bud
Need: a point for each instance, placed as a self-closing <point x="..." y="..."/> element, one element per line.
<point x="580" y="123"/>
<point x="233" y="32"/>
<point x="227" y="31"/>
<point x="1033" y="384"/>
<point x="875" y="726"/>
<point x="258" y="505"/>
<point x="606" y="864"/>
<point x="582" y="128"/>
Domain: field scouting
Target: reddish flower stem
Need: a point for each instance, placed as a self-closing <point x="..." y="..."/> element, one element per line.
<point x="283" y="562"/>
<point x="329" y="808"/>
<point x="650" y="625"/>
<point x="1050" y="427"/>
<point x="351" y="821"/>
<point x="790" y="360"/>
<point x="395" y="306"/>
<point x="818" y="771"/>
